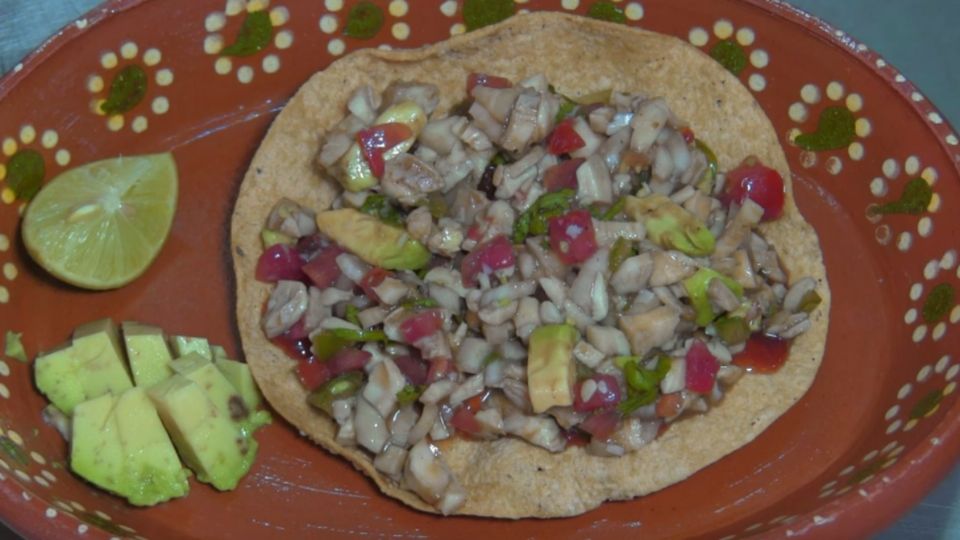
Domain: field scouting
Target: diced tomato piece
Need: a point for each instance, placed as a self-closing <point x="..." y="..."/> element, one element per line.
<point x="575" y="437"/>
<point x="572" y="236"/>
<point x="296" y="348"/>
<point x="322" y="268"/>
<point x="313" y="374"/>
<point x="601" y="425"/>
<point x="464" y="420"/>
<point x="688" y="136"/>
<point x="279" y="262"/>
<point x="668" y="405"/>
<point x="376" y="140"/>
<point x="490" y="81"/>
<point x="297" y="332"/>
<point x="702" y="368"/>
<point x="563" y="175"/>
<point x="420" y="325"/>
<point x="606" y="393"/>
<point x="492" y="255"/>
<point x="309" y="246"/>
<point x="564" y="138"/>
<point x="414" y="369"/>
<point x="373" y="278"/>
<point x="754" y="180"/>
<point x="346" y="360"/>
<point x="439" y="369"/>
<point x="475" y="233"/>
<point x="763" y="354"/>
<point x="474" y="403"/>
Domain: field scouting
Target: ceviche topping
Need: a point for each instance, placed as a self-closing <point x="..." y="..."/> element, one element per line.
<point x="562" y="272"/>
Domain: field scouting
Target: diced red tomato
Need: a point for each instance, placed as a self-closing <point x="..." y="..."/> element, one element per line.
<point x="297" y="332"/>
<point x="439" y="369"/>
<point x="490" y="81"/>
<point x="688" y="136"/>
<point x="475" y="233"/>
<point x="376" y="140"/>
<point x="373" y="278"/>
<point x="760" y="183"/>
<point x="346" y="360"/>
<point x="575" y="437"/>
<point x="601" y="425"/>
<point x="309" y="246"/>
<point x="702" y="368"/>
<point x="420" y="325"/>
<point x="607" y="393"/>
<point x="572" y="236"/>
<point x="279" y="262"/>
<point x="313" y="374"/>
<point x="414" y="369"/>
<point x="474" y="403"/>
<point x="322" y="268"/>
<point x="668" y="405"/>
<point x="298" y="348"/>
<point x="494" y="254"/>
<point x="564" y="138"/>
<point x="465" y="420"/>
<point x="562" y="175"/>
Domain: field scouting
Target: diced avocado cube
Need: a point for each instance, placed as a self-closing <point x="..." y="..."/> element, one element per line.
<point x="372" y="240"/>
<point x="696" y="287"/>
<point x="211" y="444"/>
<point x="184" y="345"/>
<point x="147" y="352"/>
<point x="219" y="389"/>
<point x="551" y="371"/>
<point x="670" y="226"/>
<point x="56" y="377"/>
<point x="96" y="453"/>
<point x="218" y="352"/>
<point x="240" y="377"/>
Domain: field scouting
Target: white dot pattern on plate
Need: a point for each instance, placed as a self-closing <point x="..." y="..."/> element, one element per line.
<point x="924" y="373"/>
<point x="891" y="412"/>
<point x="634" y="11"/>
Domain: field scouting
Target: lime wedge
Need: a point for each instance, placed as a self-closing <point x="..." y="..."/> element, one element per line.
<point x="99" y="226"/>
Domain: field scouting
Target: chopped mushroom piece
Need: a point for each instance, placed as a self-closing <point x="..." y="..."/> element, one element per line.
<point x="541" y="430"/>
<point x="410" y="179"/>
<point x="287" y="304"/>
<point x="651" y="329"/>
<point x="427" y="474"/>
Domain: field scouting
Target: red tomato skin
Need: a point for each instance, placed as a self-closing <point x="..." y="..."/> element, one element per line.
<point x="702" y="368"/>
<point x="761" y="184"/>
<point x="563" y="175"/>
<point x="494" y="254"/>
<point x="572" y="237"/>
<point x="490" y="81"/>
<point x="564" y="139"/>
<point x="376" y="140"/>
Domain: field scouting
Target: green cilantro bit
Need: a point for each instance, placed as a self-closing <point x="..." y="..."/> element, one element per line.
<point x="409" y="394"/>
<point x="326" y="344"/>
<point x="14" y="347"/>
<point x="352" y="315"/>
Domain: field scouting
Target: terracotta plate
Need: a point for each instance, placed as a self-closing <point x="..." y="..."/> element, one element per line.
<point x="877" y="429"/>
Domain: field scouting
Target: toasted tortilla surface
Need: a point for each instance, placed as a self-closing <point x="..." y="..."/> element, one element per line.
<point x="510" y="478"/>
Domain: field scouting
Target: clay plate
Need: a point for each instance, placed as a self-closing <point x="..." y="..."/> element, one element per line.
<point x="878" y="428"/>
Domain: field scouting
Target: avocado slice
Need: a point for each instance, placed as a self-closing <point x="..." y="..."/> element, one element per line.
<point x="184" y="345"/>
<point x="353" y="172"/>
<point x="147" y="352"/>
<point x="240" y="377"/>
<point x="218" y="352"/>
<point x="670" y="226"/>
<point x="96" y="453"/>
<point x="551" y="372"/>
<point x="211" y="444"/>
<point x="91" y="366"/>
<point x="373" y="240"/>
<point x="696" y="287"/>
<point x="221" y="392"/>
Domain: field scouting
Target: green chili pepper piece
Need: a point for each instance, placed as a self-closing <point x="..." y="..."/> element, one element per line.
<point x="340" y="387"/>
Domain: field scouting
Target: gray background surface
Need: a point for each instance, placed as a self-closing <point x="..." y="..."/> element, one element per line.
<point x="919" y="37"/>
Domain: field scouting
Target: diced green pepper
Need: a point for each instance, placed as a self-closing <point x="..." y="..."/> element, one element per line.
<point x="533" y="221"/>
<point x="352" y="315"/>
<point x="810" y="301"/>
<point x="409" y="394"/>
<point x="705" y="184"/>
<point x="326" y="344"/>
<point x="349" y="334"/>
<point x="621" y="250"/>
<point x="696" y="287"/>
<point x="341" y="387"/>
<point x="643" y="385"/>
<point x="732" y="330"/>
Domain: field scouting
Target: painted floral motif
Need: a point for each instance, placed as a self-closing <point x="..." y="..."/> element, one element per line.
<point x="127" y="83"/>
<point x="839" y="126"/>
<point x="903" y="189"/>
<point x="734" y="49"/>
<point x="25" y="162"/>
<point x="256" y="35"/>
<point x="934" y="299"/>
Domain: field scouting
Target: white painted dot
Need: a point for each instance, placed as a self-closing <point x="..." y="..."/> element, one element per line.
<point x="919" y="333"/>
<point x="910" y="316"/>
<point x="400" y="30"/>
<point x="129" y="50"/>
<point x="947" y="390"/>
<point x="23" y="477"/>
<point x="457" y="29"/>
<point x="891" y="412"/>
<point x="28" y="134"/>
<point x="333" y="5"/>
<point x="942" y="364"/>
<point x="9" y="271"/>
<point x="328" y="24"/>
<point x="245" y="74"/>
<point x="256" y="5"/>
<point x="4" y="369"/>
<point x="51" y="513"/>
<point x="82" y="528"/>
<point x="939" y="331"/>
<point x="698" y="37"/>
<point x="223" y="65"/>
<point x="904" y="241"/>
<point x="723" y="29"/>
<point x="213" y="44"/>
<point x="9" y="146"/>
<point x="41" y="481"/>
<point x="160" y="105"/>
<point x="878" y="187"/>
<point x="95" y="84"/>
<point x="915" y="291"/>
<point x="916" y="96"/>
<point x="570" y="4"/>
<point x="336" y="47"/>
<point x="139" y="124"/>
<point x="834" y="165"/>
<point x="449" y="8"/>
<point x="810" y="93"/>
<point x="924" y="373"/>
<point x="835" y="90"/>
<point x="271" y="63"/>
<point x="759" y="58"/>
<point x="385" y="47"/>
<point x="894" y="426"/>
<point x="862" y="127"/>
<point x="952" y="372"/>
<point x="870" y="456"/>
<point x="955" y="312"/>
<point x="754" y="527"/>
<point x="634" y="11"/>
<point x="952" y="140"/>
<point x="234" y="7"/>
<point x="215" y="22"/>
<point x="797" y="112"/>
<point x="284" y="39"/>
<point x="899" y="78"/>
<point x="911" y="423"/>
<point x="279" y="16"/>
<point x="925" y="226"/>
<point x="935" y="118"/>
<point x="854" y="102"/>
<point x="855" y="151"/>
<point x="62" y="157"/>
<point x="757" y="82"/>
<point x="931" y="269"/>
<point x="109" y="60"/>
<point x="827" y="493"/>
<point x="745" y="36"/>
<point x="881" y="63"/>
<point x="49" y="139"/>
<point x="930" y="175"/>
<point x="164" y="77"/>
<point x="4" y="242"/>
<point x="48" y="475"/>
<point x="115" y="122"/>
<point x="912" y="165"/>
<point x="904" y="391"/>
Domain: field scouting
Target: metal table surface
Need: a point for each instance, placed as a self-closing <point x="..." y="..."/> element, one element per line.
<point x="919" y="37"/>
